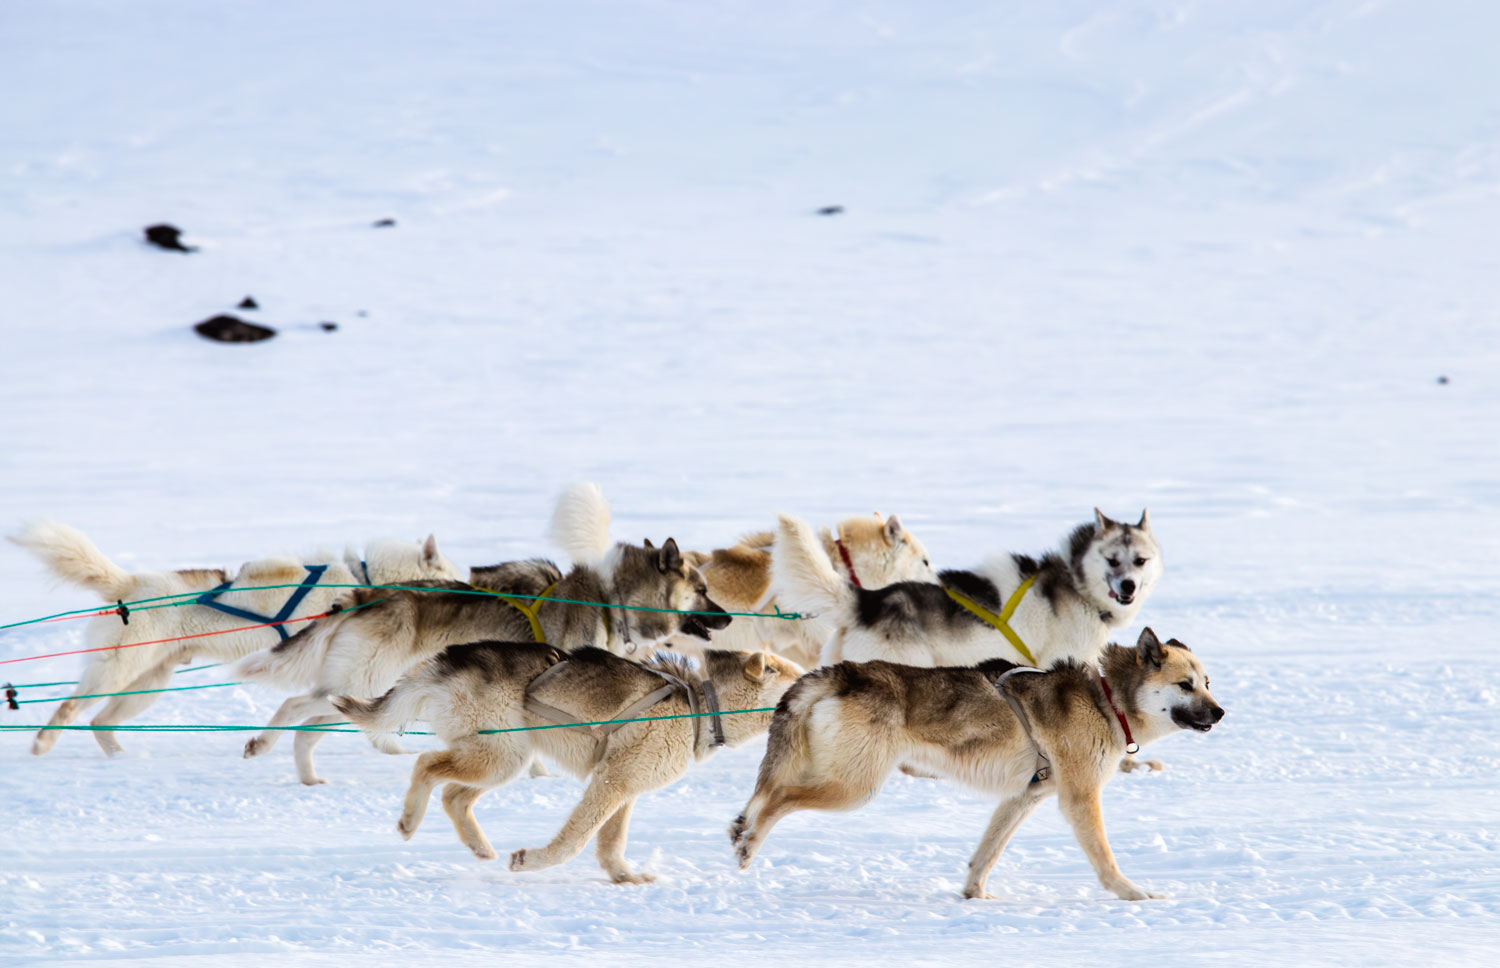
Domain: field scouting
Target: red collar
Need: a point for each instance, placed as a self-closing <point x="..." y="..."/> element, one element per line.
<point x="848" y="563"/>
<point x="1130" y="744"/>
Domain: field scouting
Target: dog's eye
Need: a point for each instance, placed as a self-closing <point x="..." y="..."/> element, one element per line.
<point x="1113" y="562"/>
<point x="926" y="563"/>
<point x="1139" y="562"/>
<point x="1186" y="685"/>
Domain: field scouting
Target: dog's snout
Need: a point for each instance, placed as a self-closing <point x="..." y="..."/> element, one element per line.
<point x="1216" y="713"/>
<point x="1127" y="587"/>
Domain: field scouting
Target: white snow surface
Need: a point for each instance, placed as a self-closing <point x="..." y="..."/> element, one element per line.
<point x="1209" y="257"/>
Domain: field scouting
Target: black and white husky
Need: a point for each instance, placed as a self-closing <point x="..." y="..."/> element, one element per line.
<point x="1015" y="607"/>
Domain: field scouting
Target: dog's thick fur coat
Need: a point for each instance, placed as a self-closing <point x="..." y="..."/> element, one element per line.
<point x="122" y="666"/>
<point x="1094" y="585"/>
<point x="880" y="551"/>
<point x="480" y="686"/>
<point x="839" y="732"/>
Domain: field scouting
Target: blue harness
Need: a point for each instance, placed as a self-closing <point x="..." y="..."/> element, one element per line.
<point x="314" y="575"/>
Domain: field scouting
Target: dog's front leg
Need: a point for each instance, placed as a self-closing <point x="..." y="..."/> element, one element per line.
<point x="610" y="845"/>
<point x="1079" y="799"/>
<point x="1003" y="824"/>
<point x="294" y="709"/>
<point x="605" y="795"/>
<point x="302" y="748"/>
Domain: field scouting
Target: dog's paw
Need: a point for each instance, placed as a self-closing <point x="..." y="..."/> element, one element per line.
<point x="630" y="877"/>
<point x="485" y="852"/>
<point x="737" y="829"/>
<point x="1130" y="891"/>
<point x="405" y="828"/>
<point x="978" y="894"/>
<point x="312" y="780"/>
<point x="1130" y="764"/>
<point x="254" y="746"/>
<point x="518" y="859"/>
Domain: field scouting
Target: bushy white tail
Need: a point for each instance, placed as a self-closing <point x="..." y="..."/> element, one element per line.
<point x="74" y="558"/>
<point x="802" y="577"/>
<point x="297" y="662"/>
<point x="580" y="524"/>
<point x="382" y="718"/>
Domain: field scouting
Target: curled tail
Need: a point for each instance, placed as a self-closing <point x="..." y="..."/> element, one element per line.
<point x="381" y="718"/>
<point x="72" y="557"/>
<point x="804" y="580"/>
<point x="297" y="662"/>
<point x="580" y="524"/>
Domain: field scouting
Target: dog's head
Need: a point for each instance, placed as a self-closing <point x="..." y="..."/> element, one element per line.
<point x="648" y="577"/>
<point x="749" y="680"/>
<point x="388" y="562"/>
<point x="883" y="552"/>
<point x="1173" y="686"/>
<point x="1115" y="564"/>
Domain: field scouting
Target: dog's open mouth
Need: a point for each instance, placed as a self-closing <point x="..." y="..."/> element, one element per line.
<point x="1122" y="599"/>
<point x="693" y="625"/>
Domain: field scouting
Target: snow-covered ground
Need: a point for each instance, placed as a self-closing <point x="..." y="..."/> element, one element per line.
<point x="1208" y="257"/>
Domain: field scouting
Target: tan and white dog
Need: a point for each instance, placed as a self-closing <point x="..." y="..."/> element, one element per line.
<point x="496" y="686"/>
<point x="201" y="633"/>
<point x="1063" y="605"/>
<point x="868" y="551"/>
<point x="1019" y="733"/>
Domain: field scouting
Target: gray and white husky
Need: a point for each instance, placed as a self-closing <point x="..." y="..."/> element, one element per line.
<point x="1095" y="583"/>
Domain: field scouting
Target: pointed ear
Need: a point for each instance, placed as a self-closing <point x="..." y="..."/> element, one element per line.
<point x="894" y="532"/>
<point x="1101" y="522"/>
<point x="1145" y="522"/>
<point x="669" y="558"/>
<point x="1180" y="645"/>
<point x="430" y="554"/>
<point x="647" y="543"/>
<point x="755" y="666"/>
<point x="1150" y="648"/>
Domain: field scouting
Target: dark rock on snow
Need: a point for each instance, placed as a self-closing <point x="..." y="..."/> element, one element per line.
<point x="385" y="223"/>
<point x="167" y="237"/>
<point x="831" y="210"/>
<point x="248" y="303"/>
<point x="228" y="329"/>
<point x="328" y="327"/>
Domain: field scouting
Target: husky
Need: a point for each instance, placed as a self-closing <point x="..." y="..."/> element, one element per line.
<point x="1017" y="732"/>
<point x="197" y="632"/>
<point x="1061" y="606"/>
<point x="522" y="686"/>
<point x="650" y="594"/>
<point x="870" y="552"/>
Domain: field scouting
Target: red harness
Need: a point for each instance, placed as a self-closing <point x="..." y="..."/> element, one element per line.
<point x="1130" y="744"/>
<point x="848" y="562"/>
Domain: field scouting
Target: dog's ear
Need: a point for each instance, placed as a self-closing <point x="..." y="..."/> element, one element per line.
<point x="647" y="543"/>
<point x="669" y="558"/>
<point x="894" y="532"/>
<point x="1102" y="523"/>
<point x="1150" y="649"/>
<point x="1180" y="645"/>
<point x="755" y="667"/>
<point x="430" y="555"/>
<point x="1144" y="524"/>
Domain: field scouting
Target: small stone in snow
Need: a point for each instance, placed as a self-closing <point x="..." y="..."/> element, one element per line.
<point x="328" y="327"/>
<point x="831" y="210"/>
<point x="1442" y="381"/>
<point x="248" y="303"/>
<point x="385" y="223"/>
<point x="167" y="237"/>
<point x="229" y="329"/>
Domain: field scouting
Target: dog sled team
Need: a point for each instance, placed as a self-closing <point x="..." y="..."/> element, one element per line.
<point x="634" y="663"/>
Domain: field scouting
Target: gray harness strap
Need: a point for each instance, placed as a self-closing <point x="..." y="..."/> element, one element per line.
<point x="1043" y="765"/>
<point x="603" y="731"/>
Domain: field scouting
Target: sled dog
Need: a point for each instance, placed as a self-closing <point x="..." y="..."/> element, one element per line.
<point x="121" y="666"/>
<point x="497" y="685"/>
<point x="1010" y="730"/>
<point x="868" y="551"/>
<point x="1061" y="606"/>
<point x="650" y="593"/>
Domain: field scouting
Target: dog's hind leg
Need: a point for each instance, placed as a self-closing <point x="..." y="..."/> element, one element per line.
<point x="1079" y="799"/>
<point x="294" y="709"/>
<point x="121" y="708"/>
<point x="474" y="764"/>
<point x="610" y="846"/>
<point x="111" y="675"/>
<point x="1007" y="817"/>
<point x="302" y="748"/>
<point x="605" y="796"/>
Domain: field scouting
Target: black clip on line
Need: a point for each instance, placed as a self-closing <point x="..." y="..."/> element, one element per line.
<point x="123" y="611"/>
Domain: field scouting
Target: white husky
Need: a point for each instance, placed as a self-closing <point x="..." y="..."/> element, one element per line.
<point x="187" y="632"/>
<point x="1014" y="607"/>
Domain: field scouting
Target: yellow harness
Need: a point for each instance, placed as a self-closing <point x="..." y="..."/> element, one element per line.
<point x="528" y="609"/>
<point x="1001" y="621"/>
